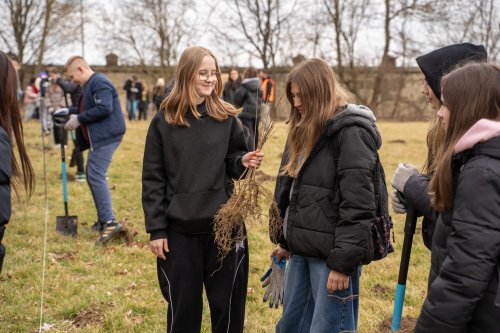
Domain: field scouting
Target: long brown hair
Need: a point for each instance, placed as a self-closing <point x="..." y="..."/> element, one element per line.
<point x="435" y="138"/>
<point x="10" y="121"/>
<point x="470" y="93"/>
<point x="320" y="94"/>
<point x="183" y="95"/>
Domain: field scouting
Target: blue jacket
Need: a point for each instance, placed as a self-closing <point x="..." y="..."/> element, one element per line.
<point x="102" y="113"/>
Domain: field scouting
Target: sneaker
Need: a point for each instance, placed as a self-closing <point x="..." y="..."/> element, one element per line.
<point x="57" y="146"/>
<point x="98" y="226"/>
<point x="111" y="229"/>
<point x="80" y="177"/>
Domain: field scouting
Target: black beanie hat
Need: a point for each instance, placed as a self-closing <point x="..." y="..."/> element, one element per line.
<point x="439" y="62"/>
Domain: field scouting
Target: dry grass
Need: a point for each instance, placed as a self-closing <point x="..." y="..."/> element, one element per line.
<point x="90" y="288"/>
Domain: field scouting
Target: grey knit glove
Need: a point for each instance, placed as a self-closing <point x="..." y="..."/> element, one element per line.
<point x="403" y="172"/>
<point x="274" y="280"/>
<point x="398" y="203"/>
<point x="72" y="123"/>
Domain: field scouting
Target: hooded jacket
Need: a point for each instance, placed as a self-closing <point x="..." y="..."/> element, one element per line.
<point x="439" y="62"/>
<point x="187" y="172"/>
<point x="463" y="280"/>
<point x="333" y="202"/>
<point x="248" y="95"/>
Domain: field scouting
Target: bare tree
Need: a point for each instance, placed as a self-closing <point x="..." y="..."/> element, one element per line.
<point x="153" y="30"/>
<point x="400" y="10"/>
<point x="258" y="28"/>
<point x="347" y="19"/>
<point x="475" y="21"/>
<point x="35" y="26"/>
<point x="20" y="36"/>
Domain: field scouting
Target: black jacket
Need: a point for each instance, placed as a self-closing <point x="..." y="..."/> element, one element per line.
<point x="187" y="171"/>
<point x="248" y="96"/>
<point x="133" y="96"/>
<point x="230" y="88"/>
<point x="416" y="193"/>
<point x="463" y="280"/>
<point x="5" y="174"/>
<point x="333" y="199"/>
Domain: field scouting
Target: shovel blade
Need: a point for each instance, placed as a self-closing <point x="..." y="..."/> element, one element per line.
<point x="67" y="225"/>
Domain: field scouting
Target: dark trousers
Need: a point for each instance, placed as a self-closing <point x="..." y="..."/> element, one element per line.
<point x="2" y="248"/>
<point x="251" y="128"/>
<point x="190" y="265"/>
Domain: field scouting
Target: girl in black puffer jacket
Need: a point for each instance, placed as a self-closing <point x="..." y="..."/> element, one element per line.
<point x="11" y="127"/>
<point x="463" y="291"/>
<point x="325" y="193"/>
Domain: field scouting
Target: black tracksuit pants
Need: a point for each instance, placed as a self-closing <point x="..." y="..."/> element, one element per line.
<point x="190" y="265"/>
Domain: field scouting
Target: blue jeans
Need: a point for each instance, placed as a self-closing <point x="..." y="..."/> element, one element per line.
<point x="98" y="162"/>
<point x="131" y="107"/>
<point x="309" y="307"/>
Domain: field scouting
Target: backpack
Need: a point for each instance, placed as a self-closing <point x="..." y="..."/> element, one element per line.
<point x="382" y="225"/>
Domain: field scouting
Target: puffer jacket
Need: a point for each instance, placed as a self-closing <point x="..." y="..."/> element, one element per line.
<point x="248" y="95"/>
<point x="5" y="174"/>
<point x="463" y="281"/>
<point x="333" y="202"/>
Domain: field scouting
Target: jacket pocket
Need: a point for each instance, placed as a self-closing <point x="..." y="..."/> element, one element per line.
<point x="196" y="208"/>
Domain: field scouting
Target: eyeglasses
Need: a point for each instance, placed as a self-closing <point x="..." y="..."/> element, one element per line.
<point x="204" y="75"/>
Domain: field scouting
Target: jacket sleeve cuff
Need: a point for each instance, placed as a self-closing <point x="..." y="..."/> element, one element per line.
<point x="333" y="265"/>
<point x="159" y="234"/>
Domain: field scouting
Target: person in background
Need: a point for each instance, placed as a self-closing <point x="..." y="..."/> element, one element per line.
<point x="411" y="186"/>
<point x="99" y="119"/>
<point x="325" y="193"/>
<point x="42" y="85"/>
<point x="30" y="100"/>
<point x="159" y="92"/>
<point x="75" y="92"/>
<point x="231" y="86"/>
<point x="55" y="98"/>
<point x="464" y="291"/>
<point x="15" y="172"/>
<point x="267" y="95"/>
<point x="134" y="92"/>
<point x="181" y="195"/>
<point x="144" y="102"/>
<point x="249" y="96"/>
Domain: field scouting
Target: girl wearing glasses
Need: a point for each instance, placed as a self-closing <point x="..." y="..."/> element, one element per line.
<point x="194" y="147"/>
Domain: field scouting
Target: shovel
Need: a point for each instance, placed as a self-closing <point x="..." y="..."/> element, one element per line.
<point x="67" y="224"/>
<point x="410" y="225"/>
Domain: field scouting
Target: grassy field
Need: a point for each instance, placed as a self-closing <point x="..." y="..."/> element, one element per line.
<point x="113" y="288"/>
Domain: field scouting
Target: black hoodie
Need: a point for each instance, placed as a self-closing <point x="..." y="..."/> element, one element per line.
<point x="187" y="171"/>
<point x="439" y="62"/>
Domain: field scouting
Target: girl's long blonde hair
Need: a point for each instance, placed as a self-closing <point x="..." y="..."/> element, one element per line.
<point x="470" y="93"/>
<point x="183" y="96"/>
<point x="321" y="94"/>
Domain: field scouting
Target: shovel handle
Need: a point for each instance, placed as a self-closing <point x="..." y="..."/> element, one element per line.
<point x="410" y="225"/>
